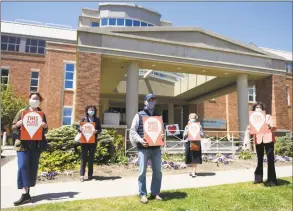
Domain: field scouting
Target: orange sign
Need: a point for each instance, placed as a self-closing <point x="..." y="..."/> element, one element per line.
<point x="31" y="128"/>
<point x="194" y="131"/>
<point x="257" y="120"/>
<point x="88" y="133"/>
<point x="153" y="130"/>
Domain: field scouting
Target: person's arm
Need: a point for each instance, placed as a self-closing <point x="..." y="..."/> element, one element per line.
<point x="17" y="118"/>
<point x="46" y="129"/>
<point x="98" y="126"/>
<point x="79" y="127"/>
<point x="134" y="136"/>
<point x="201" y="132"/>
<point x="270" y="123"/>
<point x="185" y="133"/>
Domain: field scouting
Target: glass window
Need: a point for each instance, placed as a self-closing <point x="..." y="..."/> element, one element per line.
<point x="67" y="115"/>
<point x="69" y="76"/>
<point x="136" y="23"/>
<point x="128" y="22"/>
<point x="104" y="22"/>
<point x="150" y="24"/>
<point x="35" y="46"/>
<point x="144" y="24"/>
<point x="10" y="43"/>
<point x="4" y="77"/>
<point x="112" y="21"/>
<point x="120" y="22"/>
<point x="95" y="24"/>
<point x="34" y="81"/>
<point x="251" y="94"/>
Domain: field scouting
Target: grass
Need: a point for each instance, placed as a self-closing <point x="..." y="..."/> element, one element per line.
<point x="238" y="197"/>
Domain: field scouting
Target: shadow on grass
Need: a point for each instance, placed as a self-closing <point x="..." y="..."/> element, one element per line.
<point x="105" y="178"/>
<point x="204" y="174"/>
<point x="54" y="196"/>
<point x="282" y="182"/>
<point x="167" y="196"/>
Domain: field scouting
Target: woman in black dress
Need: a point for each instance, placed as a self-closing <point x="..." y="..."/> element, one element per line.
<point x="192" y="153"/>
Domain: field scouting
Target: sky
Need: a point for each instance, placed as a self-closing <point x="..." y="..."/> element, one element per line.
<point x="266" y="24"/>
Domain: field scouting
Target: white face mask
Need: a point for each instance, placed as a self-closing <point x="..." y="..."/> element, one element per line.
<point x="34" y="103"/>
<point x="258" y="109"/>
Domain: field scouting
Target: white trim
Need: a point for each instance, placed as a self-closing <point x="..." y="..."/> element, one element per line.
<point x="38" y="79"/>
<point x="35" y="70"/>
<point x="288" y="95"/>
<point x="253" y="94"/>
<point x="5" y="76"/>
<point x="74" y="75"/>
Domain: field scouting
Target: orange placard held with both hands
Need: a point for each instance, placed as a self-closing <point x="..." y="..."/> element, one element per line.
<point x="257" y="120"/>
<point x="153" y="130"/>
<point x="88" y="133"/>
<point x="31" y="128"/>
<point x="194" y="131"/>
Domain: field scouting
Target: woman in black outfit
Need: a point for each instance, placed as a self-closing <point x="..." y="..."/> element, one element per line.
<point x="88" y="150"/>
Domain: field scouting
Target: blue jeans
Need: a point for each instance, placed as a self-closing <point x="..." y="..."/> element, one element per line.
<point x="154" y="154"/>
<point x="28" y="164"/>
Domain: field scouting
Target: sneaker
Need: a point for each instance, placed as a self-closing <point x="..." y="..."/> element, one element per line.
<point x="25" y="198"/>
<point x="157" y="197"/>
<point x="144" y="200"/>
<point x="82" y="178"/>
<point x="193" y="175"/>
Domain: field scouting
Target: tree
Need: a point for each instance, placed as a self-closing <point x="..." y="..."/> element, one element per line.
<point x="10" y="105"/>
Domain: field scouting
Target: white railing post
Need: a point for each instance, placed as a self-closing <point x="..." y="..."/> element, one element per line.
<point x="4" y="139"/>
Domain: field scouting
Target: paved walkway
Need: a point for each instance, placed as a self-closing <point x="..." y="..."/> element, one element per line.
<point x="56" y="192"/>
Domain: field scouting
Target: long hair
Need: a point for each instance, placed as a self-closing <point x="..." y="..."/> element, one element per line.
<point x="258" y="104"/>
<point x="38" y="94"/>
<point x="90" y="106"/>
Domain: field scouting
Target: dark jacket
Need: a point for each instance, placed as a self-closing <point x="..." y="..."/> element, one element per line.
<point x="96" y="121"/>
<point x="25" y="145"/>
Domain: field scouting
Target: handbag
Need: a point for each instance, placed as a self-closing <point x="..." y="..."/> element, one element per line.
<point x="77" y="137"/>
<point x="194" y="146"/>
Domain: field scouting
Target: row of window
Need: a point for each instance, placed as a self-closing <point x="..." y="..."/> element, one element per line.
<point x="12" y="43"/>
<point x="120" y="22"/>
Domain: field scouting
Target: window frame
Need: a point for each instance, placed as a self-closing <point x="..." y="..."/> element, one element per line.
<point x="38" y="79"/>
<point x="29" y="45"/>
<point x="288" y="95"/>
<point x="253" y="94"/>
<point x="101" y="21"/>
<point x="8" y="43"/>
<point x="74" y="75"/>
<point x="5" y="68"/>
<point x="71" y="117"/>
<point x="124" y="20"/>
<point x="95" y="22"/>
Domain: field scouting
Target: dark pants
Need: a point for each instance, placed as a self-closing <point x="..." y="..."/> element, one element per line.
<point x="28" y="164"/>
<point x="258" y="174"/>
<point x="87" y="156"/>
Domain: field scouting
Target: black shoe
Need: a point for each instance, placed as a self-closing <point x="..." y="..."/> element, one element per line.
<point x="257" y="182"/>
<point x="25" y="198"/>
<point x="90" y="177"/>
<point x="192" y="175"/>
<point x="270" y="184"/>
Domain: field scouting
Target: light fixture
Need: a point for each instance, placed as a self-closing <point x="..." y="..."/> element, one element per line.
<point x="153" y="65"/>
<point x="179" y="68"/>
<point x="226" y="73"/>
<point x="203" y="71"/>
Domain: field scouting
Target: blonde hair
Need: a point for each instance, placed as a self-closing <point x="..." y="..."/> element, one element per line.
<point x="192" y="116"/>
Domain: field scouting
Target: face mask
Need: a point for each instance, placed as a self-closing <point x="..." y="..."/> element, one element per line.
<point x="258" y="109"/>
<point x="34" y="103"/>
<point x="151" y="105"/>
<point x="192" y="120"/>
<point x="91" y="113"/>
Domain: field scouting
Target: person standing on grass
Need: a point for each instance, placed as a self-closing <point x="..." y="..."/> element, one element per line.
<point x="146" y="152"/>
<point x="192" y="157"/>
<point x="28" y="151"/>
<point x="265" y="141"/>
<point x="88" y="150"/>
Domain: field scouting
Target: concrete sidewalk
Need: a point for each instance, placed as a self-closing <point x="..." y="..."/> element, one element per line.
<point x="57" y="192"/>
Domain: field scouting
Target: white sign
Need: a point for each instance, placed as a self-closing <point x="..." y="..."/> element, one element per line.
<point x="172" y="130"/>
<point x="32" y="122"/>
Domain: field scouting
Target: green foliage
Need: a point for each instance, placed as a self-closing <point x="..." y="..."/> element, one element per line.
<point x="63" y="152"/>
<point x="246" y="155"/>
<point x="11" y="104"/>
<point x="284" y="146"/>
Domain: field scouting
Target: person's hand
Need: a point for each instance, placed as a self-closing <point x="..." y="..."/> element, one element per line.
<point x="19" y="123"/>
<point x="144" y="143"/>
<point x="163" y="136"/>
<point x="269" y="126"/>
<point x="44" y="125"/>
<point x="248" y="127"/>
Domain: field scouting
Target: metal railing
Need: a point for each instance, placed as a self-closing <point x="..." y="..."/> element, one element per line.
<point x="213" y="142"/>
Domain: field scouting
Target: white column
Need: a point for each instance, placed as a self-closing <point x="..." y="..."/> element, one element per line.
<point x="170" y="113"/>
<point x="131" y="93"/>
<point x="242" y="93"/>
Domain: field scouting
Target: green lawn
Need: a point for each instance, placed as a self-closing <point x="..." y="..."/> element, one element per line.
<point x="238" y="197"/>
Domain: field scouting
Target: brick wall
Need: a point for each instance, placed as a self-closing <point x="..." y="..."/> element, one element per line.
<point x="289" y="83"/>
<point x="272" y="92"/>
<point x="88" y="71"/>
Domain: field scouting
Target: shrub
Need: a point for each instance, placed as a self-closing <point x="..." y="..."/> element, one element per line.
<point x="284" y="146"/>
<point x="246" y="155"/>
<point x="64" y="153"/>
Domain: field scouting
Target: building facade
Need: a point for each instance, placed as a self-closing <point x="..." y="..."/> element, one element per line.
<point x="120" y="52"/>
